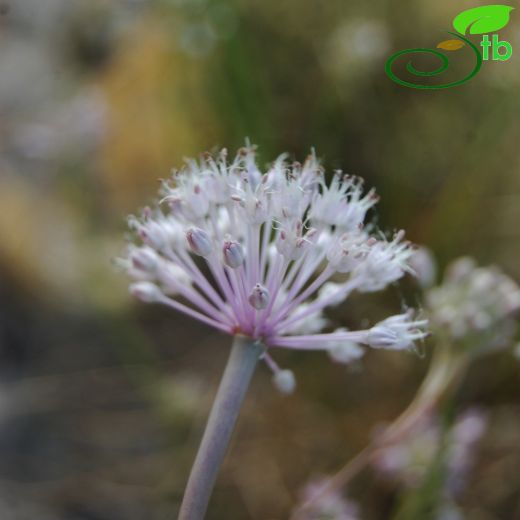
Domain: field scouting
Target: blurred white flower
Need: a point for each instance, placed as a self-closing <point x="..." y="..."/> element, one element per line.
<point x="424" y="266"/>
<point x="475" y="303"/>
<point x="410" y="458"/>
<point x="345" y="351"/>
<point x="284" y="381"/>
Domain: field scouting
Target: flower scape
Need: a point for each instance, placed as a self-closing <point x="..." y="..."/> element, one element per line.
<point x="272" y="243"/>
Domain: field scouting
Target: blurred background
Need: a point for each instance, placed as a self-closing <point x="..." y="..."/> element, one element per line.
<point x="102" y="399"/>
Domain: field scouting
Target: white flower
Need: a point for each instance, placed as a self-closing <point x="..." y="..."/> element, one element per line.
<point x="146" y="292"/>
<point x="397" y="332"/>
<point x="477" y="303"/>
<point x="253" y="253"/>
<point x="259" y="297"/>
<point x="335" y="293"/>
<point x="145" y="259"/>
<point x="199" y="241"/>
<point x="292" y="242"/>
<point x="233" y="253"/>
<point x="172" y="278"/>
<point x="345" y="351"/>
<point x="408" y="458"/>
<point x="349" y="250"/>
<point x="384" y="263"/>
<point x="424" y="266"/>
<point x="342" y="204"/>
<point x="284" y="381"/>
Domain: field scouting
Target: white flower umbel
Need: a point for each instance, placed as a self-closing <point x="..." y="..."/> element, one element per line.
<point x="270" y="241"/>
<point x="475" y="304"/>
<point x="252" y="254"/>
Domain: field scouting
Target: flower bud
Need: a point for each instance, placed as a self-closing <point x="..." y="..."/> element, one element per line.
<point x="332" y="292"/>
<point x="423" y="265"/>
<point x="233" y="254"/>
<point x="199" y="241"/>
<point x="172" y="278"/>
<point x="146" y="292"/>
<point x="153" y="235"/>
<point x="382" y="337"/>
<point x="345" y="352"/>
<point x="284" y="381"/>
<point x="259" y="297"/>
<point x="145" y="260"/>
<point x="397" y="332"/>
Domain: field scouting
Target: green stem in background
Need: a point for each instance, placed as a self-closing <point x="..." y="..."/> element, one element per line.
<point x="447" y="367"/>
<point x="239" y="370"/>
<point x="423" y="501"/>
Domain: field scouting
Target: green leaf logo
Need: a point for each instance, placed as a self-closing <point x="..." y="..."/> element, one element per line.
<point x="481" y="20"/>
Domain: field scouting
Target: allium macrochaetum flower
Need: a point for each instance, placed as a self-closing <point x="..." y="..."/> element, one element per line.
<point x="271" y="243"/>
<point x="476" y="306"/>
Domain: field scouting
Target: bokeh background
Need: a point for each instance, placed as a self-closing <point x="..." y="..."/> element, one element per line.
<point x="102" y="399"/>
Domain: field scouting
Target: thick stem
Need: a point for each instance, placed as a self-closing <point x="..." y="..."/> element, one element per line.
<point x="233" y="386"/>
